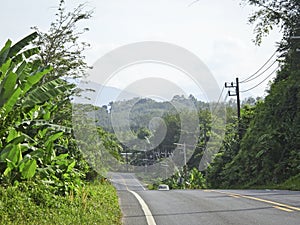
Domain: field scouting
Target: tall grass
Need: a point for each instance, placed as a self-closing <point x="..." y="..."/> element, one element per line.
<point x="97" y="203"/>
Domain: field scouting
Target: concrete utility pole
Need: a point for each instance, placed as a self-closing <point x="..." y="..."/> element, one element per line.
<point x="184" y="151"/>
<point x="184" y="158"/>
<point x="126" y="157"/>
<point x="237" y="94"/>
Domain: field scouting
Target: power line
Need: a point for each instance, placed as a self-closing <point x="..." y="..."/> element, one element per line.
<point x="216" y="106"/>
<point x="218" y="100"/>
<point x="259" y="68"/>
<point x="192" y="3"/>
<point x="225" y="99"/>
<point x="261" y="81"/>
<point x="246" y="81"/>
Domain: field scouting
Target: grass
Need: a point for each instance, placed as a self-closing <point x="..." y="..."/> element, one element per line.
<point x="292" y="184"/>
<point x="26" y="204"/>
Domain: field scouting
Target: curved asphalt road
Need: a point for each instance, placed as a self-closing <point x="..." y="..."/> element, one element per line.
<point x="208" y="207"/>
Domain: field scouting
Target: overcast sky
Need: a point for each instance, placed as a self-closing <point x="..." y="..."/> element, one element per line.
<point x="216" y="31"/>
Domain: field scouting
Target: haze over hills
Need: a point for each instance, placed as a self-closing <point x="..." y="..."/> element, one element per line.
<point x="99" y="95"/>
<point x="96" y="94"/>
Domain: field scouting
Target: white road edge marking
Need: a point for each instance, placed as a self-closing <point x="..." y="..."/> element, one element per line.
<point x="147" y="212"/>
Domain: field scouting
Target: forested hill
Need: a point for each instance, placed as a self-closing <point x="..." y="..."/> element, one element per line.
<point x="142" y="110"/>
<point x="269" y="152"/>
<point x="262" y="149"/>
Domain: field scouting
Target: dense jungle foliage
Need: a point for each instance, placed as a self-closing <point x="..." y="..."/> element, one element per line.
<point x="269" y="151"/>
<point x="42" y="171"/>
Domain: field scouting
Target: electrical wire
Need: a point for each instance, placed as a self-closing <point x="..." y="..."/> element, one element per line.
<point x="213" y="122"/>
<point x="246" y="81"/>
<point x="219" y="98"/>
<point x="214" y="109"/>
<point x="261" y="81"/>
<point x="243" y="81"/>
<point x="192" y="3"/>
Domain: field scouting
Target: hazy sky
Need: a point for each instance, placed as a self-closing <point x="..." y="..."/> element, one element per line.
<point x="216" y="31"/>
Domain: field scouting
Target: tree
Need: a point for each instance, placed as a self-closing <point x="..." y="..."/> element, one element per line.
<point x="31" y="145"/>
<point x="284" y="14"/>
<point x="35" y="115"/>
<point x="60" y="46"/>
<point x="269" y="149"/>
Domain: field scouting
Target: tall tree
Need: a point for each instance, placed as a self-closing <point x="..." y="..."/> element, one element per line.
<point x="283" y="14"/>
<point x="61" y="47"/>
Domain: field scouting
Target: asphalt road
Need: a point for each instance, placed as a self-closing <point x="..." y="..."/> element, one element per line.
<point x="208" y="207"/>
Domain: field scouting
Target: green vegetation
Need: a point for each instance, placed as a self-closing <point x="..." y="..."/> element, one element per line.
<point x="191" y="179"/>
<point x="269" y="153"/>
<point x="266" y="153"/>
<point x="292" y="183"/>
<point x="43" y="175"/>
<point x="44" y="178"/>
<point x="29" y="203"/>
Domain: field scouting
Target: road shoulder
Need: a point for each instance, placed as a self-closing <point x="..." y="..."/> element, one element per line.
<point x="131" y="209"/>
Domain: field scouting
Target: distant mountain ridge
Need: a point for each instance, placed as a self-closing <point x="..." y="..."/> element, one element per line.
<point x="99" y="95"/>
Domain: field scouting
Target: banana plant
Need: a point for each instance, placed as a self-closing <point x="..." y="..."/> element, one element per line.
<point x="25" y="113"/>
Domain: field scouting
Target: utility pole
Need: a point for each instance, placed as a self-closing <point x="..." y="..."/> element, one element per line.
<point x="205" y="137"/>
<point x="126" y="158"/>
<point x="237" y="94"/>
<point x="184" y="160"/>
<point x="184" y="152"/>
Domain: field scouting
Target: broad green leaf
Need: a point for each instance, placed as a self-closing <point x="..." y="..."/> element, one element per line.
<point x="4" y="153"/>
<point x="4" y="52"/>
<point x="42" y="133"/>
<point x="35" y="78"/>
<point x="7" y="87"/>
<point x="12" y="101"/>
<point x="12" y="135"/>
<point x="71" y="166"/>
<point x="21" y="44"/>
<point x="20" y="139"/>
<point x="4" y="68"/>
<point x="20" y="70"/>
<point x="37" y="153"/>
<point x="46" y="92"/>
<point x="28" y="168"/>
<point x="8" y="169"/>
<point x="62" y="156"/>
<point x="54" y="137"/>
<point x="11" y="153"/>
<point x="26" y="54"/>
<point x="47" y="115"/>
<point x="30" y="52"/>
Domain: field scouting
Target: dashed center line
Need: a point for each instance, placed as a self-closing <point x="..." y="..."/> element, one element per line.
<point x="277" y="205"/>
<point x="284" y="209"/>
<point x="234" y="196"/>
